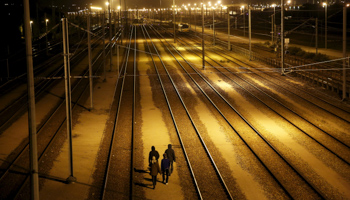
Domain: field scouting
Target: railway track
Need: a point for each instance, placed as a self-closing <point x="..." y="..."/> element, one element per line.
<point x="338" y="111"/>
<point x="213" y="184"/>
<point x="118" y="178"/>
<point x="223" y="105"/>
<point x="14" y="176"/>
<point x="327" y="75"/>
<point x="300" y="173"/>
<point x="341" y="150"/>
<point x="15" y="95"/>
<point x="275" y="146"/>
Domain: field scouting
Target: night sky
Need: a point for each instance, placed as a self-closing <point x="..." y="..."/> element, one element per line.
<point x="152" y="3"/>
<point x="144" y="3"/>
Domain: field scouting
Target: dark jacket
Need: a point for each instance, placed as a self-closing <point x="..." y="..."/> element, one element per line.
<point x="155" y="168"/>
<point x="153" y="153"/>
<point x="165" y="164"/>
<point x="170" y="153"/>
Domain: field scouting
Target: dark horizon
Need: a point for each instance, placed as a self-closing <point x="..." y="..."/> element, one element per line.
<point x="146" y="4"/>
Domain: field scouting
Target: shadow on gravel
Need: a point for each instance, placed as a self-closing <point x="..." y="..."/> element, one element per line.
<point x="144" y="185"/>
<point x="140" y="170"/>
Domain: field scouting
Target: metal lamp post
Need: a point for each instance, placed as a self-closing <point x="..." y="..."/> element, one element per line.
<point x="344" y="51"/>
<point x="203" y="54"/>
<point x="110" y="34"/>
<point x="213" y="9"/>
<point x="228" y="30"/>
<point x="273" y="22"/>
<point x="68" y="97"/>
<point x="33" y="151"/>
<point x="250" y="32"/>
<point x="195" y="21"/>
<point x="174" y="21"/>
<point x="46" y="40"/>
<point x="325" y="24"/>
<point x="282" y="37"/>
<point x="242" y="7"/>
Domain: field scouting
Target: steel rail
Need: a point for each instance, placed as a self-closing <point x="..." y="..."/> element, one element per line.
<point x="223" y="51"/>
<point x="133" y="122"/>
<point x="220" y="112"/>
<point x="262" y="137"/>
<point x="196" y="129"/>
<point x="50" y="143"/>
<point x="325" y="132"/>
<point x="111" y="147"/>
<point x="7" y="171"/>
<point x="40" y="89"/>
<point x="39" y="131"/>
<point x="174" y="121"/>
<point x="291" y="110"/>
<point x="280" y="103"/>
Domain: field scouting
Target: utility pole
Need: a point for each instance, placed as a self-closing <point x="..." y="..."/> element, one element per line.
<point x="316" y="29"/>
<point x="118" y="60"/>
<point x="272" y="29"/>
<point x="190" y="19"/>
<point x="110" y="34"/>
<point x="282" y="37"/>
<point x="228" y="30"/>
<point x="195" y="21"/>
<point x="71" y="177"/>
<point x="273" y="23"/>
<point x="115" y="31"/>
<point x="325" y="38"/>
<point x="46" y="39"/>
<point x="235" y="23"/>
<point x="243" y="22"/>
<point x="203" y="54"/>
<point x="33" y="152"/>
<point x="344" y="53"/>
<point x="7" y="61"/>
<point x="174" y="21"/>
<point x="104" y="46"/>
<point x="121" y="21"/>
<point x="89" y="55"/>
<point x="213" y="26"/>
<point x="250" y="32"/>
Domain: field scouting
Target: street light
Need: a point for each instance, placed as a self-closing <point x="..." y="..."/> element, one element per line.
<point x="325" y="17"/>
<point x="95" y="8"/>
<point x="213" y="8"/>
<point x="195" y="21"/>
<point x="161" y="12"/>
<point x="228" y="29"/>
<point x="110" y="32"/>
<point x="46" y="40"/>
<point x="31" y="27"/>
<point x="288" y="3"/>
<point x="203" y="54"/>
<point x="242" y="8"/>
<point x="273" y="22"/>
<point x="219" y="3"/>
<point x="118" y="16"/>
<point x="174" y="21"/>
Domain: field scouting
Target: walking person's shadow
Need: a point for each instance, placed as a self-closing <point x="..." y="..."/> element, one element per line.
<point x="147" y="179"/>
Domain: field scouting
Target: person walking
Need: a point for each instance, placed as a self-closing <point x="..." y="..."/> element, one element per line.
<point x="151" y="154"/>
<point x="154" y="170"/>
<point x="171" y="156"/>
<point x="165" y="164"/>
